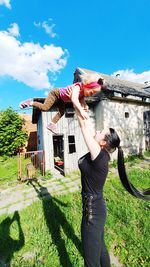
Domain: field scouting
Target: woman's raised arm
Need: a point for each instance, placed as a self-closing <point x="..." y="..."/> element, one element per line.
<point x="88" y="135"/>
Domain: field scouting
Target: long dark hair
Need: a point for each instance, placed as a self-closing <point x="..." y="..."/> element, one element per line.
<point x="113" y="142"/>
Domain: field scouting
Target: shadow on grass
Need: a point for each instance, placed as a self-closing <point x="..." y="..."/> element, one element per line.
<point x="8" y="245"/>
<point x="55" y="219"/>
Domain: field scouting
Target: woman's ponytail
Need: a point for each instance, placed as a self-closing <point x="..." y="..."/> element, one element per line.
<point x="143" y="194"/>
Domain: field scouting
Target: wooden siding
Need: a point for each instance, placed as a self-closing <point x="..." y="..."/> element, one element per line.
<point x="106" y="114"/>
<point x="65" y="127"/>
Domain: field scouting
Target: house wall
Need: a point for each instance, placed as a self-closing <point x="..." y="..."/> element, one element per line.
<point x="107" y="113"/>
<point x="130" y="130"/>
<point x="99" y="115"/>
<point x="66" y="127"/>
<point x="47" y="141"/>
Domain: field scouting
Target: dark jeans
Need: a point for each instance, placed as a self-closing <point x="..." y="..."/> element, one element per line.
<point x="92" y="231"/>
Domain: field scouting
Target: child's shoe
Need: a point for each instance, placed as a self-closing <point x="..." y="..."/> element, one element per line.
<point x="52" y="127"/>
<point x="25" y="104"/>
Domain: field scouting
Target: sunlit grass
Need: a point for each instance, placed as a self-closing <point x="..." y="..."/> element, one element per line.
<point x="8" y="170"/>
<point x="50" y="235"/>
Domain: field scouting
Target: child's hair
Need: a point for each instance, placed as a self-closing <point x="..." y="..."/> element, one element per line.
<point x="89" y="78"/>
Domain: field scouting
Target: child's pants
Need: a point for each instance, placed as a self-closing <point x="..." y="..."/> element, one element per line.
<point x="53" y="97"/>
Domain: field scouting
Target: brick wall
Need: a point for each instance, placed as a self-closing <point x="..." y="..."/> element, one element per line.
<point x="31" y="130"/>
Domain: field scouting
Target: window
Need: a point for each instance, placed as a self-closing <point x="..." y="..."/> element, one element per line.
<point x="71" y="142"/>
<point x="126" y="114"/>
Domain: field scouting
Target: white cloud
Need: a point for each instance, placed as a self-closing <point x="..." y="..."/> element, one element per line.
<point x="29" y="62"/>
<point x="130" y="75"/>
<point x="6" y="3"/>
<point x="37" y="24"/>
<point x="14" y="29"/>
<point x="47" y="26"/>
<point x="49" y="29"/>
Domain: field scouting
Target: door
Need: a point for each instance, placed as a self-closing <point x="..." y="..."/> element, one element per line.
<point x="58" y="145"/>
<point x="147" y="129"/>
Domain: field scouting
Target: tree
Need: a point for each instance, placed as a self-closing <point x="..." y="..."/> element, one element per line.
<point x="12" y="137"/>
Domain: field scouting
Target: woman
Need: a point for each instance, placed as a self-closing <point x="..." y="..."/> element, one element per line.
<point x="94" y="169"/>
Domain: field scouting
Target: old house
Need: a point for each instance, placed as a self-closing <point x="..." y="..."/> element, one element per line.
<point x="124" y="106"/>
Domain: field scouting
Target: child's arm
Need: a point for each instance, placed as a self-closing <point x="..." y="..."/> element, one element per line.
<point x="75" y="100"/>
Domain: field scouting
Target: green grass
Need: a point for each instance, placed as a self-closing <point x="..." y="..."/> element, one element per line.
<point x="51" y="230"/>
<point x="131" y="160"/>
<point x="50" y="235"/>
<point x="8" y="170"/>
<point x="147" y="153"/>
<point x="128" y="221"/>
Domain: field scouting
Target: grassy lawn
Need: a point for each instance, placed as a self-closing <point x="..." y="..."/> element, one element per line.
<point x="8" y="170"/>
<point x="51" y="230"/>
<point x="47" y="233"/>
<point x="128" y="221"/>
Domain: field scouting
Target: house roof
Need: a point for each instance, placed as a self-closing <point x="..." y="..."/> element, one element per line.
<point x="147" y="89"/>
<point x="117" y="85"/>
<point x="113" y="84"/>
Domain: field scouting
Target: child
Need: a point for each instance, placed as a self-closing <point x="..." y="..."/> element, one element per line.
<point x="90" y="85"/>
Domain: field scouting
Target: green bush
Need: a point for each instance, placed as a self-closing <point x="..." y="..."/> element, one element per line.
<point x="12" y="137"/>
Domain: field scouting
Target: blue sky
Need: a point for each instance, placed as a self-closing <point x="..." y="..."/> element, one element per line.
<point x="42" y="42"/>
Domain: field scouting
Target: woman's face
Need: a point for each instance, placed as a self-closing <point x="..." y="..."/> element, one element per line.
<point x="100" y="136"/>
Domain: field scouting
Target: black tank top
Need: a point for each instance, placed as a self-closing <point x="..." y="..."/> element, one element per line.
<point x="93" y="172"/>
